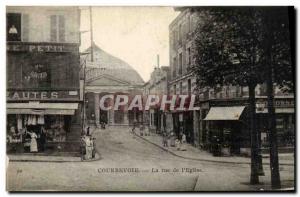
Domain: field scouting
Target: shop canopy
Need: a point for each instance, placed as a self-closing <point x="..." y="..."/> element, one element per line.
<point x="225" y="113"/>
<point x="41" y="108"/>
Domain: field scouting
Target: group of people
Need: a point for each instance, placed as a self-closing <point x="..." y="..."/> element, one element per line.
<point x="174" y="141"/>
<point x="143" y="131"/>
<point x="88" y="150"/>
<point x="31" y="141"/>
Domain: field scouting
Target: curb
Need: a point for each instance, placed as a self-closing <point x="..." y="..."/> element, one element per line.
<point x="196" y="159"/>
<point x="97" y="158"/>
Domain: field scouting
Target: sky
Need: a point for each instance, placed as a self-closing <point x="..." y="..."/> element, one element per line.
<point x="134" y="34"/>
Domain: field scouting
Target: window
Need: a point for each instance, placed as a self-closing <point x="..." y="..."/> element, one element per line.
<point x="25" y="27"/>
<point x="57" y="28"/>
<point x="180" y="33"/>
<point x="174" y="39"/>
<point x="189" y="23"/>
<point x="174" y="89"/>
<point x="188" y="51"/>
<point x="279" y="123"/>
<point x="180" y="64"/>
<point x="13" y="27"/>
<point x="189" y="87"/>
<point x="174" y="66"/>
<point x="180" y="87"/>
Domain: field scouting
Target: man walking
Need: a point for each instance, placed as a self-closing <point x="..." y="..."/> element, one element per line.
<point x="165" y="139"/>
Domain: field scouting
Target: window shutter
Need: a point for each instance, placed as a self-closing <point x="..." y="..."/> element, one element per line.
<point x="25" y="27"/>
<point x="53" y="28"/>
<point x="61" y="29"/>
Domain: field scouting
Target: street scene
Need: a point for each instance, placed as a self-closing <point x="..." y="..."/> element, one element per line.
<point x="121" y="149"/>
<point x="150" y="99"/>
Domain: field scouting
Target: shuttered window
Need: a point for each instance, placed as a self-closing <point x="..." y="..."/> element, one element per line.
<point x="53" y="28"/>
<point x="57" y="28"/>
<point x="180" y="64"/>
<point x="61" y="28"/>
<point x="25" y="27"/>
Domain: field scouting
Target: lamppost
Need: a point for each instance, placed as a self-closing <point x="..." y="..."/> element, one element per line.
<point x="83" y="115"/>
<point x="84" y="67"/>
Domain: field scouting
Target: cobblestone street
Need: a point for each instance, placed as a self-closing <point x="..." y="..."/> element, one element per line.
<point x="154" y="170"/>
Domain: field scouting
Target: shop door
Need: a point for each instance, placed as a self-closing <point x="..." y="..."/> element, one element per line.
<point x="103" y="116"/>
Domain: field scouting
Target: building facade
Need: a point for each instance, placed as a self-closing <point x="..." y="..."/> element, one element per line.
<point x="183" y="81"/>
<point x="108" y="75"/>
<point x="43" y="93"/>
<point x="158" y="120"/>
<point x="223" y="113"/>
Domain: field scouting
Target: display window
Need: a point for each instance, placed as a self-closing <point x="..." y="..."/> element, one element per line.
<point x="32" y="133"/>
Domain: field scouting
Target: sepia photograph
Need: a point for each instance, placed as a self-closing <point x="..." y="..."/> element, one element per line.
<point x="150" y="98"/>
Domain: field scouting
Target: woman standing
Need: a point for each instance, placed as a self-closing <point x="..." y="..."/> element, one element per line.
<point x="33" y="142"/>
<point x="88" y="147"/>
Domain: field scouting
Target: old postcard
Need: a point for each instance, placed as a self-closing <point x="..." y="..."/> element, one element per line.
<point x="150" y="98"/>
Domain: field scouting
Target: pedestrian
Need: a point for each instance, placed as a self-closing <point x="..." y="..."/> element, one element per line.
<point x="82" y="147"/>
<point x="165" y="139"/>
<point x="133" y="128"/>
<point x="178" y="144"/>
<point x="172" y="139"/>
<point x="88" y="131"/>
<point x="183" y="143"/>
<point x="142" y="130"/>
<point x="180" y="136"/>
<point x="88" y="147"/>
<point x="33" y="142"/>
<point x="102" y="125"/>
<point x="183" y="138"/>
<point x="62" y="133"/>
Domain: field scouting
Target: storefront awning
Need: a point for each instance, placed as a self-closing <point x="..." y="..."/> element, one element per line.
<point x="42" y="108"/>
<point x="225" y="113"/>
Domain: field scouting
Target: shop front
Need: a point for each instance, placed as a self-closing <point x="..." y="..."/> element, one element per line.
<point x="227" y="123"/>
<point x="40" y="127"/>
<point x="227" y="129"/>
<point x="43" y="98"/>
<point x="285" y="121"/>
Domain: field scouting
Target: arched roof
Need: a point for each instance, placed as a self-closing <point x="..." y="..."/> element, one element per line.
<point x="105" y="64"/>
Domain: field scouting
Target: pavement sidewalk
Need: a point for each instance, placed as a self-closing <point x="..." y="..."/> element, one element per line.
<point x="42" y="158"/>
<point x="47" y="158"/>
<point x="194" y="153"/>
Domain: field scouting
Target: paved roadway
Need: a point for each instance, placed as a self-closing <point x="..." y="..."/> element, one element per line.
<point x="154" y="170"/>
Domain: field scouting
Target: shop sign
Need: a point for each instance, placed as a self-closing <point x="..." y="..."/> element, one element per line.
<point x="262" y="105"/>
<point x="42" y="95"/>
<point x="36" y="73"/>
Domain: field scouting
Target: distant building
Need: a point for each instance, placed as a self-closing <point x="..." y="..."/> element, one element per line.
<point x="43" y="63"/>
<point x="158" y="85"/>
<point x="107" y="74"/>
